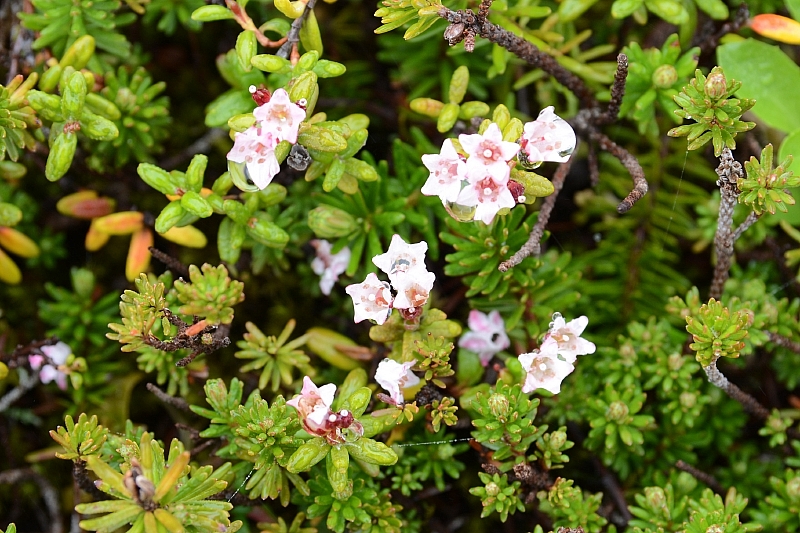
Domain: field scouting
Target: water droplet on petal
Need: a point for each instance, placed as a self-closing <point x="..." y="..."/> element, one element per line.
<point x="462" y="213"/>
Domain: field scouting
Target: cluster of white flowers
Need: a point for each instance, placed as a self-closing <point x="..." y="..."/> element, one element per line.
<point x="405" y="265"/>
<point x="277" y="119"/>
<point x="486" y="335"/>
<point x="327" y="265"/>
<point x="555" y="359"/>
<point x="51" y="364"/>
<point x="314" y="409"/>
<point x="482" y="180"/>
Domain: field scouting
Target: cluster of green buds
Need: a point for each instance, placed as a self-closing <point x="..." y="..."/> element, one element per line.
<point x="447" y="114"/>
<point x="708" y="101"/>
<point x="763" y="187"/>
<point x="72" y="112"/>
<point x="717" y="332"/>
<point x="17" y="118"/>
<point x="655" y="76"/>
<point x="132" y="101"/>
<point x="210" y="294"/>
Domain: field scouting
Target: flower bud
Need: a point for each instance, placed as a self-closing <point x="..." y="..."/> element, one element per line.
<point x="665" y="77"/>
<point x="492" y="489"/>
<point x="716" y="85"/>
<point x="617" y="411"/>
<point x="329" y="222"/>
<point x="656" y="497"/>
<point x="558" y="439"/>
<point x="498" y="405"/>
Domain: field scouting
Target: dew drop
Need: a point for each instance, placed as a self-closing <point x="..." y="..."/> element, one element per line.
<point x="460" y="212"/>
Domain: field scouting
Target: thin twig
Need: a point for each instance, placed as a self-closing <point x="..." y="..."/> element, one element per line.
<point x="751" y="219"/>
<point x="174" y="401"/>
<point x="750" y="404"/>
<point x="26" y="383"/>
<point x="617" y="92"/>
<point x="729" y="171"/>
<point x="698" y="474"/>
<point x="737" y="22"/>
<point x="293" y="37"/>
<point x="612" y="485"/>
<point x="171" y="263"/>
<point x="465" y="24"/>
<point x="49" y="494"/>
<point x="780" y="340"/>
<point x="630" y="163"/>
<point x="533" y="244"/>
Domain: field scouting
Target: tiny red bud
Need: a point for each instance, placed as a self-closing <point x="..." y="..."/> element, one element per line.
<point x="260" y="96"/>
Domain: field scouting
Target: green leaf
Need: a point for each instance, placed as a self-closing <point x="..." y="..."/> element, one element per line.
<point x="767" y="75"/>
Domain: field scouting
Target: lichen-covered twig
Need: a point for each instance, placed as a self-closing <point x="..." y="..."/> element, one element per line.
<point x="729" y="171"/>
<point x="751" y="219"/>
<point x="708" y="43"/>
<point x="464" y="24"/>
<point x="533" y="245"/>
<point x="750" y="404"/>
<point x="704" y="477"/>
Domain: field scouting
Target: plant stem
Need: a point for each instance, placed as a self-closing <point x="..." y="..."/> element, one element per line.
<point x="293" y="37"/>
<point x="750" y="404"/>
<point x="729" y="171"/>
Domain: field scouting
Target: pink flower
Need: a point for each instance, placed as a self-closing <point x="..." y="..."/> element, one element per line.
<point x="488" y="150"/>
<point x="487" y="335"/>
<point x="314" y="409"/>
<point x="548" y="138"/>
<point x="448" y="172"/>
<point x="57" y="356"/>
<point x="414" y="289"/>
<point x="280" y="117"/>
<point x="544" y="368"/>
<point x="395" y="377"/>
<point x="328" y="266"/>
<point x="567" y="336"/>
<point x="489" y="194"/>
<point x="255" y="147"/>
<point x="401" y="259"/>
<point x="372" y="299"/>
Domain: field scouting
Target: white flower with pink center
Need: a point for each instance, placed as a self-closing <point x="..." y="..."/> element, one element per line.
<point x="255" y="147"/>
<point x="544" y="369"/>
<point x="486" y="335"/>
<point x="488" y="150"/>
<point x="413" y="289"/>
<point x="280" y="116"/>
<point x="314" y="409"/>
<point x="401" y="259"/>
<point x="447" y="173"/>
<point x="372" y="299"/>
<point x="548" y="138"/>
<point x="328" y="265"/>
<point x="396" y="377"/>
<point x="489" y="195"/>
<point x="568" y="337"/>
<point x="56" y="356"/>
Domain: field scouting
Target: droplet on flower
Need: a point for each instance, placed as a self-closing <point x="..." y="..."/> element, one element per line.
<point x="565" y="153"/>
<point x="557" y="315"/>
<point x="462" y="213"/>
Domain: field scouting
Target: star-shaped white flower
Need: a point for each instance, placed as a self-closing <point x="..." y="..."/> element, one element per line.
<point x="487" y="150"/>
<point x="447" y="173"/>
<point x="568" y="337"/>
<point x="548" y="138"/>
<point x="372" y="299"/>
<point x="395" y="377"/>
<point x="486" y="335"/>
<point x="544" y="368"/>
<point x="48" y="371"/>
<point x="280" y="116"/>
<point x="328" y="265"/>
<point x="413" y="289"/>
<point x="489" y="194"/>
<point x="255" y="148"/>
<point x="401" y="258"/>
<point x="314" y="405"/>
